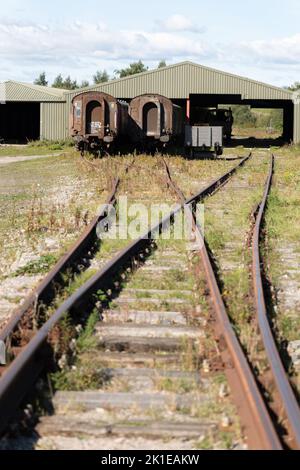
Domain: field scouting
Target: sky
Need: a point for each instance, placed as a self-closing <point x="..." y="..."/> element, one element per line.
<point x="259" y="40"/>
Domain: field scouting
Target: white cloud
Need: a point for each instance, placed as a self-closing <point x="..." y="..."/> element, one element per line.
<point x="83" y="47"/>
<point x="180" y="23"/>
<point x="278" y="51"/>
<point x="80" y="48"/>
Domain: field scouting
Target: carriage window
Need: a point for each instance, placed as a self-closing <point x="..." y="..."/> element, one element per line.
<point x="78" y="109"/>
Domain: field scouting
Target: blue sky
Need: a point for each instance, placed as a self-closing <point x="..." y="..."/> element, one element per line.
<point x="261" y="40"/>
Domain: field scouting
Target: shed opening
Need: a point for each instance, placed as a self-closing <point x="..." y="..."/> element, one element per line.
<point x="19" y="122"/>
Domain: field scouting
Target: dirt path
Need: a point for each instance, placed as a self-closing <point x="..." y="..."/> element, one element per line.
<point x="7" y="160"/>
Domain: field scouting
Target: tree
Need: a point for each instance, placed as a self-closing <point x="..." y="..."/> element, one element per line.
<point x="58" y="82"/>
<point x="294" y="87"/>
<point x="70" y="84"/>
<point x="41" y="80"/>
<point x="162" y="64"/>
<point x="134" y="68"/>
<point x="66" y="84"/>
<point x="84" y="84"/>
<point x="101" y="76"/>
<point x="243" y="117"/>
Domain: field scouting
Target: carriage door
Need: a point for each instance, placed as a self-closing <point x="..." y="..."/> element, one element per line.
<point x="107" y="123"/>
<point x="151" y="119"/>
<point x="162" y="119"/>
<point x="93" y="117"/>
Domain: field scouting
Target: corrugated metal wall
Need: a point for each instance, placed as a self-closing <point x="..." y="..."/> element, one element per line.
<point x="179" y="81"/>
<point x="54" y="121"/>
<point x="297" y="123"/>
<point x="176" y="82"/>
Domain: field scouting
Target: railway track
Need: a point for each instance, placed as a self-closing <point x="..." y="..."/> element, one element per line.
<point x="29" y="359"/>
<point x="258" y="426"/>
<point x="19" y="330"/>
<point x="137" y="339"/>
<point x="282" y="397"/>
<point x="74" y="260"/>
<point x="287" y="406"/>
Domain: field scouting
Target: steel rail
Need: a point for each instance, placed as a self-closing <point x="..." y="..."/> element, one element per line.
<point x="287" y="396"/>
<point x="19" y="376"/>
<point x="45" y="291"/>
<point x="259" y="428"/>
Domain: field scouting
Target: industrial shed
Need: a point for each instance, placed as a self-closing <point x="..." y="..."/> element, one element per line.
<point x="186" y="83"/>
<point x="24" y="112"/>
<point x="192" y="85"/>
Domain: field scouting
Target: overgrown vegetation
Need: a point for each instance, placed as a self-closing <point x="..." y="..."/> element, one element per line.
<point x="227" y="226"/>
<point x="283" y="228"/>
<point x="247" y="117"/>
<point x="37" y="147"/>
<point x="40" y="266"/>
<point x="81" y="374"/>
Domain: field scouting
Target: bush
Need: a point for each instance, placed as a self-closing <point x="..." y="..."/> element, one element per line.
<point x="52" y="144"/>
<point x="270" y="118"/>
<point x="243" y="116"/>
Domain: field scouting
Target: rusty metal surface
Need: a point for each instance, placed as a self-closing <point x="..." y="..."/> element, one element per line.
<point x="153" y="116"/>
<point x="14" y="382"/>
<point x="104" y="113"/>
<point x="258" y="426"/>
<point x="98" y="120"/>
<point x="288" y="400"/>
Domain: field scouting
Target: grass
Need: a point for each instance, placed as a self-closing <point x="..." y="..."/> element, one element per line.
<point x="40" y="266"/>
<point x="227" y="223"/>
<point x="45" y="204"/>
<point x="80" y="378"/>
<point x="178" y="386"/>
<point x="225" y="442"/>
<point x="282" y="245"/>
<point x="192" y="175"/>
<point x="83" y="375"/>
<point x="227" y="227"/>
<point x="42" y="147"/>
<point x="86" y="373"/>
<point x="215" y="410"/>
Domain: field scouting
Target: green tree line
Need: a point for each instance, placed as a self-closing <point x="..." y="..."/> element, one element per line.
<point x="101" y="76"/>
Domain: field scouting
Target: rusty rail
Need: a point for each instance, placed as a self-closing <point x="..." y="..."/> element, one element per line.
<point x="45" y="291"/>
<point x="25" y="368"/>
<point x="287" y="398"/>
<point x="258" y="426"/>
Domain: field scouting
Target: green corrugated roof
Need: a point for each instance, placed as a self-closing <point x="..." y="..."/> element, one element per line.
<point x="180" y="80"/>
<point x="18" y="91"/>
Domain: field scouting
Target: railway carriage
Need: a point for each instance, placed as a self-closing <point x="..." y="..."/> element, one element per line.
<point x="155" y="121"/>
<point x="98" y="121"/>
